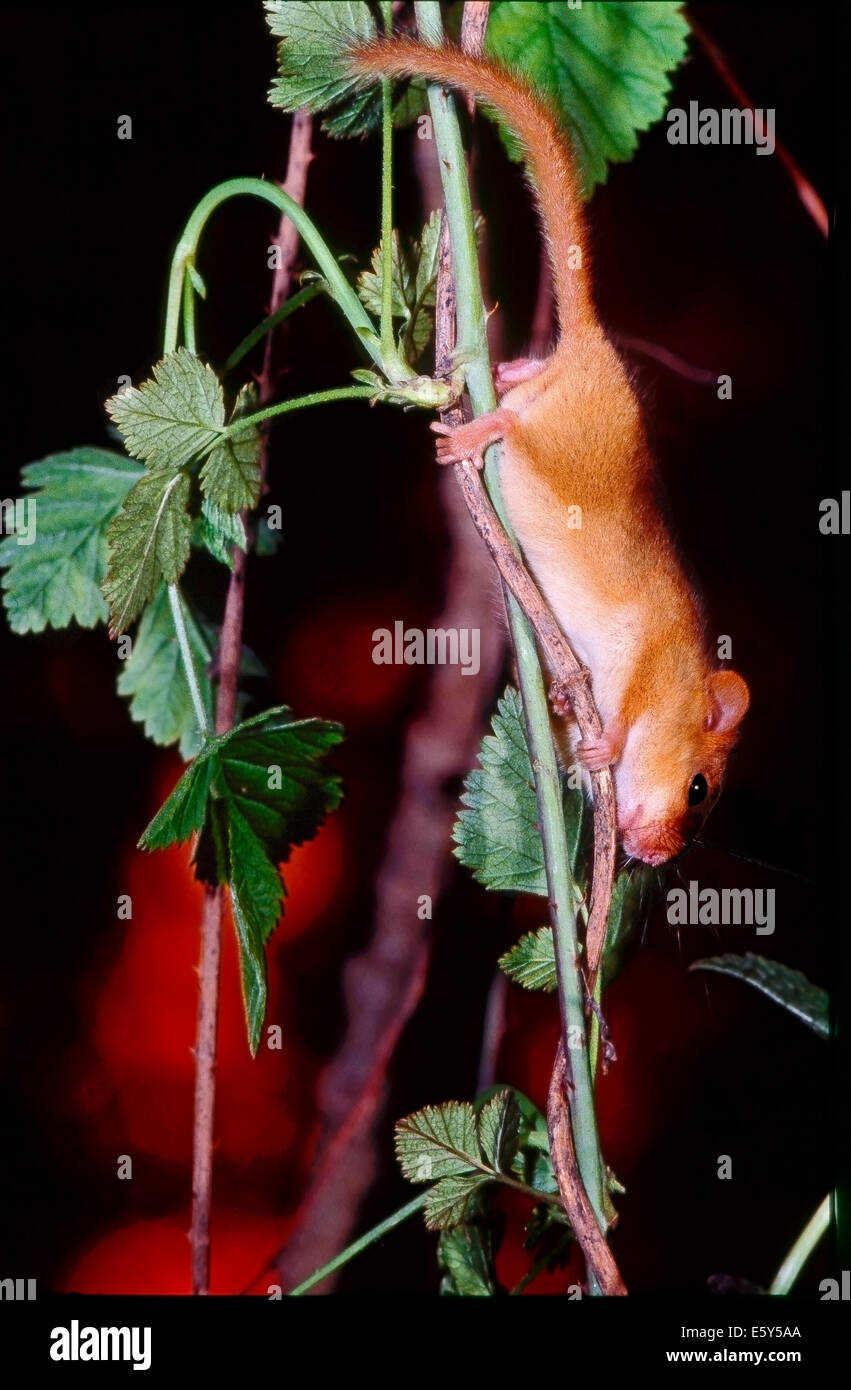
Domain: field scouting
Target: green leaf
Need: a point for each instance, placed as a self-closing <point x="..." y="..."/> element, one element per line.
<point x="252" y="794"/>
<point x="629" y="893"/>
<point x="312" y="69"/>
<point x="313" y="72"/>
<point x="438" y="1142"/>
<point x="466" y="1254"/>
<point x="605" y="67"/>
<point x="57" y="579"/>
<point x="184" y="812"/>
<point x="179" y="413"/>
<point x="496" y="834"/>
<point x="230" y="477"/>
<point x="220" y="532"/>
<point x="148" y="542"/>
<point x="499" y="1130"/>
<point x="453" y="1200"/>
<point x="256" y="891"/>
<point x="413" y="283"/>
<point x="154" y="679"/>
<point x="532" y="962"/>
<point x="789" y="988"/>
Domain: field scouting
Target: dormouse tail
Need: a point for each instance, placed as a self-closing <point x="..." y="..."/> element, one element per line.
<point x="554" y="178"/>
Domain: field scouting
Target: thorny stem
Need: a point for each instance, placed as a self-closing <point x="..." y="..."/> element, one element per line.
<point x="474" y="352"/>
<point x="804" y="1246"/>
<point x="388" y="347"/>
<point x="181" y="294"/>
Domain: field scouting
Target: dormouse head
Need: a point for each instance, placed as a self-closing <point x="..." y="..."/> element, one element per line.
<point x="671" y="767"/>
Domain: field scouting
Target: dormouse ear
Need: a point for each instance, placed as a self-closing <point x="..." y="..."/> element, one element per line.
<point x="729" y="699"/>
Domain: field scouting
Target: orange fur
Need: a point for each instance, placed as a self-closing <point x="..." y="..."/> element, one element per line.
<point x="574" y="447"/>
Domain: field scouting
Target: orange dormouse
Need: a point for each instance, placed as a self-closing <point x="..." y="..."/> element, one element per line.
<point x="574" y="450"/>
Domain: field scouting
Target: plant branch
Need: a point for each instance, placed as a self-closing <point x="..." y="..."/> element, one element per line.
<point x="578" y="1208"/>
<point x="362" y="1243"/>
<point x="473" y="348"/>
<point x="229" y="657"/>
<point x="272" y="321"/>
<point x="337" y="393"/>
<point x="804" y="1246"/>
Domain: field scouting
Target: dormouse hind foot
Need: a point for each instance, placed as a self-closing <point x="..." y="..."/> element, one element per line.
<point x="599" y="753"/>
<point x="563" y="691"/>
<point x="508" y="374"/>
<point x="470" y="441"/>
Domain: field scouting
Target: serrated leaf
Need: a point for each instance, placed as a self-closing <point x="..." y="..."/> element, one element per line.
<point x="286" y="815"/>
<point x="438" y="1142"/>
<point x="256" y="891"/>
<point x="57" y="579"/>
<point x="452" y="1200"/>
<point x="183" y="813"/>
<point x="413" y="283"/>
<point x="148" y="543"/>
<point x="221" y="531"/>
<point x="496" y="833"/>
<point x="261" y="788"/>
<point x="230" y="477"/>
<point x="532" y="962"/>
<point x="312" y="70"/>
<point x="787" y="987"/>
<point x="466" y="1254"/>
<point x="178" y="413"/>
<point x="499" y="1130"/>
<point x="604" y="66"/>
<point x="154" y="679"/>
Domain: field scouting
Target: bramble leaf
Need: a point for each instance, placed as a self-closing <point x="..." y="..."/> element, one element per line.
<point x="499" y="1128"/>
<point x="453" y="1200"/>
<point x="531" y="962"/>
<point x="413" y="281"/>
<point x="57" y="578"/>
<point x="466" y="1254"/>
<point x="438" y="1142"/>
<point x="176" y="415"/>
<point x="230" y="477"/>
<point x="787" y="987"/>
<point x="154" y="678"/>
<point x="605" y="67"/>
<point x="148" y="543"/>
<point x="312" y="70"/>
<point x="260" y="787"/>
<point x="220" y="532"/>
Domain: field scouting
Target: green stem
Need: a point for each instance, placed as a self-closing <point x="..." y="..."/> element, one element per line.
<point x="804" y="1246"/>
<point x="189" y="337"/>
<point x="187" y="247"/>
<point x="337" y="393"/>
<point x="176" y="604"/>
<point x="271" y="322"/>
<point x="388" y="346"/>
<point x="473" y="350"/>
<point x="363" y="1243"/>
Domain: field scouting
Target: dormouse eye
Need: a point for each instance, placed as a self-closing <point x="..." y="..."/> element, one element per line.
<point x="697" y="791"/>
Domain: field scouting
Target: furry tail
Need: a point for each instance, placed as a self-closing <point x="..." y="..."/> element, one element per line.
<point x="554" y="178"/>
